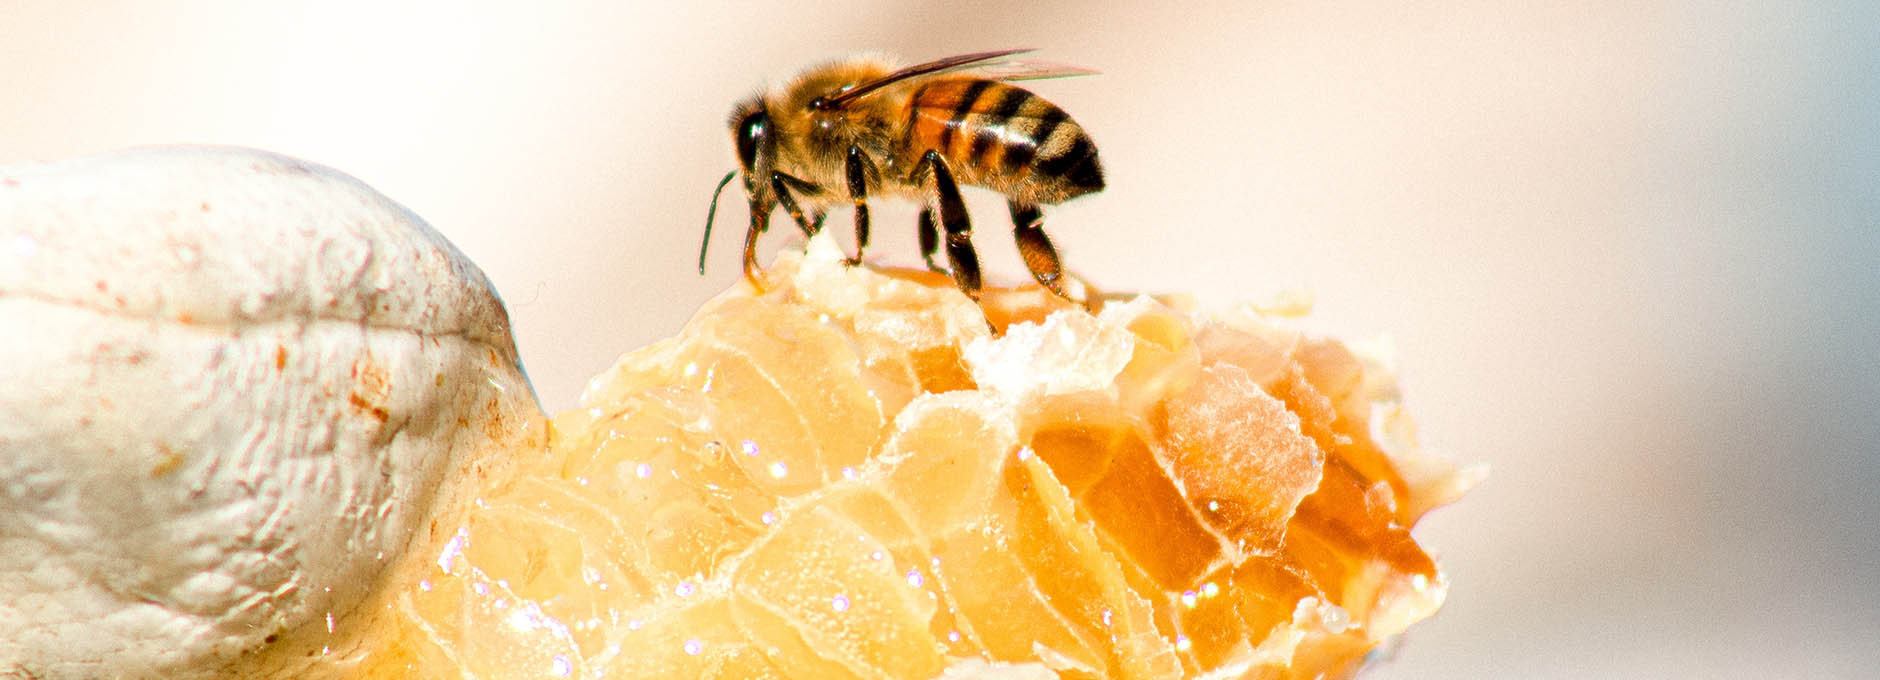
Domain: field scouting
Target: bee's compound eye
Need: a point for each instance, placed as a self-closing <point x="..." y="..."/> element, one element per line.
<point x="750" y="133"/>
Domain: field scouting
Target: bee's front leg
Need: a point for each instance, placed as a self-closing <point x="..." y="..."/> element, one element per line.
<point x="780" y="185"/>
<point x="760" y="221"/>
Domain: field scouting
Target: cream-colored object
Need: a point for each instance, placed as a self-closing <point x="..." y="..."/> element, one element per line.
<point x="233" y="387"/>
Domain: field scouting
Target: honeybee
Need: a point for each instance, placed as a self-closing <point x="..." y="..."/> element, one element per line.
<point x="851" y="130"/>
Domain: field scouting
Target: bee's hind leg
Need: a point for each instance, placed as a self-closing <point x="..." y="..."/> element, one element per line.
<point x="1040" y="257"/>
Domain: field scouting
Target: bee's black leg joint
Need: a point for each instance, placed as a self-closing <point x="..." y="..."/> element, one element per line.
<point x="1036" y="249"/>
<point x="959" y="227"/>
<point x="858" y="192"/>
<point x="782" y="190"/>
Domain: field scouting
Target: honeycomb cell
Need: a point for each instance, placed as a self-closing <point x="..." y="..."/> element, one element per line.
<point x="848" y="475"/>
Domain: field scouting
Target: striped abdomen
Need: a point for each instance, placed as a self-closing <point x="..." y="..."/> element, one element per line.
<point x="1005" y="138"/>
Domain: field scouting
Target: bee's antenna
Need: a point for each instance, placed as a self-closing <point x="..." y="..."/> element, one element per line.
<point x="708" y="220"/>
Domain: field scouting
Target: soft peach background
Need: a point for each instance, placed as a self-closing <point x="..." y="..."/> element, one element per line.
<point x="1627" y="251"/>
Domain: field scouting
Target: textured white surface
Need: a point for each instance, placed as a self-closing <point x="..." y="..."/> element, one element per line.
<point x="1067" y="353"/>
<point x="232" y="386"/>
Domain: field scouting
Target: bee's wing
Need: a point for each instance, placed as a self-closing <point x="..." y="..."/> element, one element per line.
<point x="1028" y="70"/>
<point x="985" y="64"/>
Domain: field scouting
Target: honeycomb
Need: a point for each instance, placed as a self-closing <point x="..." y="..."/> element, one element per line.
<point x="850" y="475"/>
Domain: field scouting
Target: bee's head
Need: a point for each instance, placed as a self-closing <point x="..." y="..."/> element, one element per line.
<point x="751" y="132"/>
<point x="750" y="129"/>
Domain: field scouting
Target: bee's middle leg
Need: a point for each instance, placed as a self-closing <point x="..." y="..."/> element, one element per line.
<point x="855" y="168"/>
<point x="929" y="239"/>
<point x="959" y="227"/>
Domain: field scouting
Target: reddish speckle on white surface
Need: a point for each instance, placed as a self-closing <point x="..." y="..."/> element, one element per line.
<point x="233" y="386"/>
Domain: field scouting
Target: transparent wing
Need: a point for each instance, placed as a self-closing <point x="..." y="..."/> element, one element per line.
<point x="1027" y="70"/>
<point x="992" y="65"/>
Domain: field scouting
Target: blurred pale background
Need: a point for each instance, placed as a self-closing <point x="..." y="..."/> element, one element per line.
<point x="1628" y="252"/>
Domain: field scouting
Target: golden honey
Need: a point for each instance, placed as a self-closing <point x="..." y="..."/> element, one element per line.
<point x="851" y="476"/>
